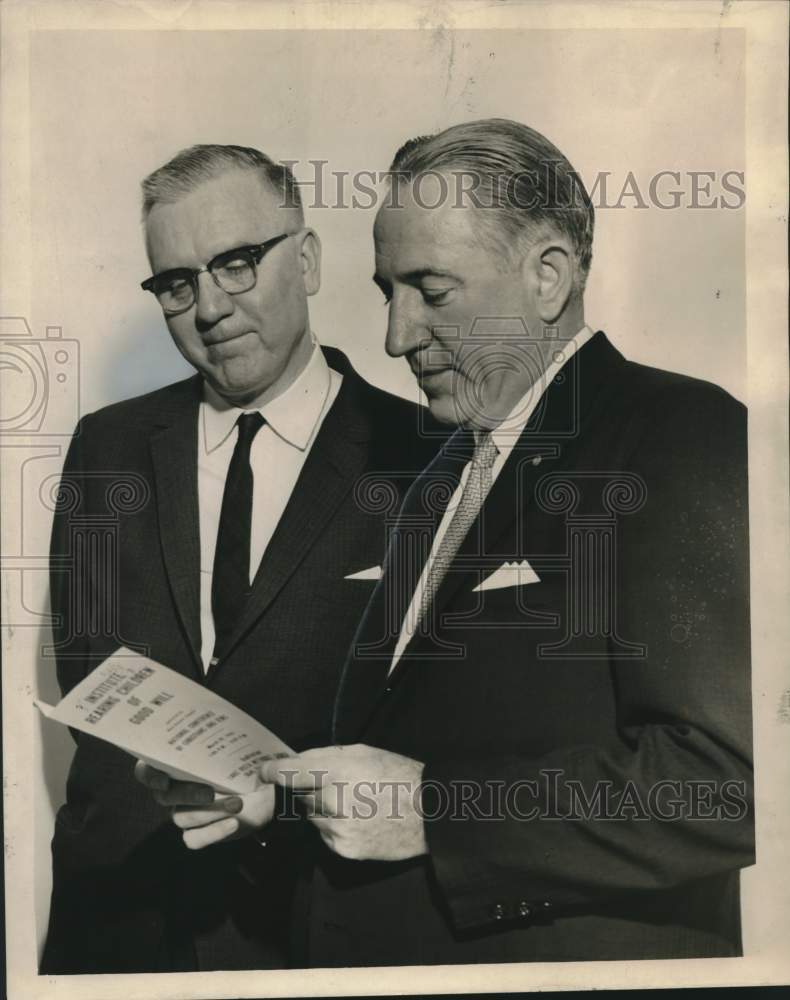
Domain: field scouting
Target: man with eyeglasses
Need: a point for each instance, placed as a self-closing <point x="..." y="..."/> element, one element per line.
<point x="246" y="566"/>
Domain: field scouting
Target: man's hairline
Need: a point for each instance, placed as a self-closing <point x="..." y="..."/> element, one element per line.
<point x="184" y="194"/>
<point x="495" y="239"/>
<point x="229" y="168"/>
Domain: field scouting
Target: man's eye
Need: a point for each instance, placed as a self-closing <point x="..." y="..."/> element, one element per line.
<point x="177" y="287"/>
<point x="236" y="265"/>
<point x="436" y="297"/>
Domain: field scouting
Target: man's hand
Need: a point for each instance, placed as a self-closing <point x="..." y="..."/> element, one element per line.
<point x="364" y="801"/>
<point x="205" y="816"/>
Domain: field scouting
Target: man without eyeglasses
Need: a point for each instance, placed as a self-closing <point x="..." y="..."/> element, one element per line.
<point x="517" y="764"/>
<point x="245" y="565"/>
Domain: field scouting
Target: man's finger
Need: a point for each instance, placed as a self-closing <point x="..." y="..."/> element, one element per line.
<point x="326" y="824"/>
<point x="290" y="773"/>
<point x="151" y="777"/>
<point x="204" y="836"/>
<point x="186" y="793"/>
<point x="328" y="833"/>
<point x="310" y="804"/>
<point x="187" y="819"/>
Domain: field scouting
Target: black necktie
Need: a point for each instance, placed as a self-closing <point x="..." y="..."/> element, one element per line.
<point x="230" y="583"/>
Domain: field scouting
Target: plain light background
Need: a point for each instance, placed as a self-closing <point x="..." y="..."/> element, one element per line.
<point x="108" y="107"/>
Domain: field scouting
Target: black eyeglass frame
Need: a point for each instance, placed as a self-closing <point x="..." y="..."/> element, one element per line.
<point x="257" y="252"/>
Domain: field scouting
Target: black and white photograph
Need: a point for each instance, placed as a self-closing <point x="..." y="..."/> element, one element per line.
<point x="393" y="426"/>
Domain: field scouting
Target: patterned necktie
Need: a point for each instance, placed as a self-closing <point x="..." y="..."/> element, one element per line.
<point x="230" y="583"/>
<point x="475" y="491"/>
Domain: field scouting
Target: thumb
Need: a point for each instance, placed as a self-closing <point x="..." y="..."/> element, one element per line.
<point x="280" y="770"/>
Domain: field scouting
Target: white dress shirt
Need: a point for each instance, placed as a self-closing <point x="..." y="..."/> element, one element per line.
<point x="278" y="452"/>
<point x="505" y="436"/>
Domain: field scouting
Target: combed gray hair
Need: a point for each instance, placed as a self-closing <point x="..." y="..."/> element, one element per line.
<point x="527" y="183"/>
<point x="197" y="164"/>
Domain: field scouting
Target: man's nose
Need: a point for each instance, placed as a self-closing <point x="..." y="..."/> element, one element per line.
<point x="404" y="331"/>
<point x="213" y="304"/>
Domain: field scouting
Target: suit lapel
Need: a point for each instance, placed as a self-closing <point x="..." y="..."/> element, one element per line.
<point x="551" y="436"/>
<point x="510" y="492"/>
<point x="365" y="674"/>
<point x="546" y="445"/>
<point x="174" y="453"/>
<point x="337" y="459"/>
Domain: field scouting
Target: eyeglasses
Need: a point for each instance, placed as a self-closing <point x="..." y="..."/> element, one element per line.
<point x="234" y="271"/>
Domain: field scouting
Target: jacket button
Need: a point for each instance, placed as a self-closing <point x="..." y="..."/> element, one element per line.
<point x="497" y="911"/>
<point x="524" y="909"/>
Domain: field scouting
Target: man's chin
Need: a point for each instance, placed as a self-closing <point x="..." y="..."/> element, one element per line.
<point x="443" y="409"/>
<point x="239" y="391"/>
<point x="451" y="411"/>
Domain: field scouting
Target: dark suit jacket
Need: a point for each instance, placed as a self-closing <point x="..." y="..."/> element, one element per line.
<point x="127" y="895"/>
<point x="625" y="667"/>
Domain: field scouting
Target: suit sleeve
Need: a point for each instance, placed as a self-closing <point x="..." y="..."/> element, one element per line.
<point x="680" y="762"/>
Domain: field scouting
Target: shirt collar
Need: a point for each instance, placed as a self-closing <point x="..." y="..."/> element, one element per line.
<point x="507" y="433"/>
<point x="292" y="415"/>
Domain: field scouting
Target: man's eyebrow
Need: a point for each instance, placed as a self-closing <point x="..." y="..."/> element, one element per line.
<point x="412" y="277"/>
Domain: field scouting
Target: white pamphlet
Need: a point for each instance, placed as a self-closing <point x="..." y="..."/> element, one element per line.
<point x="169" y="721"/>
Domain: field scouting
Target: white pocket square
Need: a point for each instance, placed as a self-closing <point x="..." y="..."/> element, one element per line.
<point x="509" y="574"/>
<point x="373" y="573"/>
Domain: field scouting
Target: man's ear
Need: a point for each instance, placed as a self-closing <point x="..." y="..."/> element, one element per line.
<point x="310" y="257"/>
<point x="552" y="270"/>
